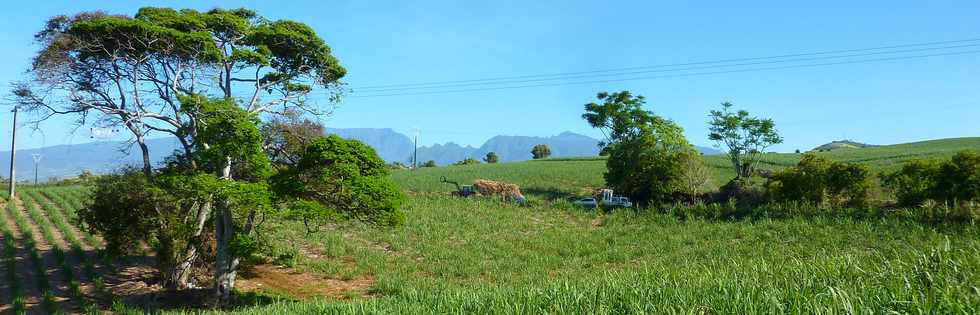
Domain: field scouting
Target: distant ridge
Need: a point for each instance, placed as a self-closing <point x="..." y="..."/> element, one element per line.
<point x="842" y="144"/>
<point x="63" y="161"/>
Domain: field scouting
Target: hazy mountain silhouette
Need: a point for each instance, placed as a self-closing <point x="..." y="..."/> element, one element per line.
<point x="63" y="161"/>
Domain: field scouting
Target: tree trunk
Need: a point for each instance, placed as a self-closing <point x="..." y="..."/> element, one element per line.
<point x="736" y="163"/>
<point x="182" y="271"/>
<point x="225" y="263"/>
<point x="225" y="269"/>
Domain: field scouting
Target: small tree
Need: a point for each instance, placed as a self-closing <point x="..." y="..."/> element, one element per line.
<point x="429" y="163"/>
<point x="645" y="150"/>
<point x="490" y="158"/>
<point x="745" y="137"/>
<point x="540" y="151"/>
<point x="696" y="176"/>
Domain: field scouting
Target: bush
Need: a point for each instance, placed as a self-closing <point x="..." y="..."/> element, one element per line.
<point x="337" y="178"/>
<point x="817" y="180"/>
<point x="914" y="183"/>
<point x="959" y="178"/>
<point x="956" y="180"/>
<point x="646" y="172"/>
<point x="467" y="161"/>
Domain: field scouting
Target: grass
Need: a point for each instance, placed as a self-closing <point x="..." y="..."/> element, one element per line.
<point x="480" y="255"/>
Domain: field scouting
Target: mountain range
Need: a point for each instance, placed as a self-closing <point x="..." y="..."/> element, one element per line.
<point x="62" y="161"/>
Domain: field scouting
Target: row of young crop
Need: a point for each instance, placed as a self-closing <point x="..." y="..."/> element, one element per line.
<point x="56" y="216"/>
<point x="18" y="300"/>
<point x="29" y="242"/>
<point x="50" y="213"/>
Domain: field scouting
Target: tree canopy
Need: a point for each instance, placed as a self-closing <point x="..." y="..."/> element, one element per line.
<point x="744" y="136"/>
<point x="645" y="150"/>
<point x="540" y="151"/>
<point x="207" y="78"/>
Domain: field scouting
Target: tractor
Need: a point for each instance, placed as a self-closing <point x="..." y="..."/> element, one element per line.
<point x="461" y="190"/>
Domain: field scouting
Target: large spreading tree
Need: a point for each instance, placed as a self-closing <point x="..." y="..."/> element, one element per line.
<point x="208" y="79"/>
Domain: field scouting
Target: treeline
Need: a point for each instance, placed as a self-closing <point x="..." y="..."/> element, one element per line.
<point x="651" y="161"/>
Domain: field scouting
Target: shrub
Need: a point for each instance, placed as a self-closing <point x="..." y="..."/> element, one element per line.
<point x="959" y="178"/>
<point x="818" y="180"/>
<point x="467" y="161"/>
<point x="914" y="183"/>
<point x="951" y="181"/>
<point x="849" y="183"/>
<point x="339" y="178"/>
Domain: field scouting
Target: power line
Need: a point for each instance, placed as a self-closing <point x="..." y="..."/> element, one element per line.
<point x="671" y="65"/>
<point x="669" y="70"/>
<point x="673" y="75"/>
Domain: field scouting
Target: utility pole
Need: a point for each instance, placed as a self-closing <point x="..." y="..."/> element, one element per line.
<point x="13" y="156"/>
<point x="415" y="154"/>
<point x="37" y="160"/>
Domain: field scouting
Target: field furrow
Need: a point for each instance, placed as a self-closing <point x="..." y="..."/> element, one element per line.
<point x="25" y="276"/>
<point x="7" y="271"/>
<point x="73" y="259"/>
<point x="49" y="248"/>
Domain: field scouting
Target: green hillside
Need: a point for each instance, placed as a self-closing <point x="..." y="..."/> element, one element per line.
<point x="563" y="177"/>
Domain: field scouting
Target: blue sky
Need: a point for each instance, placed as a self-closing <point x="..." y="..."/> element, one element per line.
<point x="395" y="42"/>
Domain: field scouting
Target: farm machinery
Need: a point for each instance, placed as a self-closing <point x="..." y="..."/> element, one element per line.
<point x="461" y="190"/>
<point x="487" y="188"/>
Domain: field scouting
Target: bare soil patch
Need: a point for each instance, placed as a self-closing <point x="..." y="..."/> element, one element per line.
<point x="300" y="285"/>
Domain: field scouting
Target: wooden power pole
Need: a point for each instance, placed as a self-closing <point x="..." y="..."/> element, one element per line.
<point x="13" y="157"/>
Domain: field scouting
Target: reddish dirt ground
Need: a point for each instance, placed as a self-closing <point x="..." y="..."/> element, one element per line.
<point x="300" y="285"/>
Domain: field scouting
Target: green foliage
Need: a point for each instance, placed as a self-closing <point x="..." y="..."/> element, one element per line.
<point x="119" y="208"/>
<point x="346" y="178"/>
<point x="816" y="179"/>
<point x="959" y="178"/>
<point x="490" y="158"/>
<point x="950" y="181"/>
<point x="745" y="137"/>
<point x="540" y="151"/>
<point x="695" y="177"/>
<point x="227" y="133"/>
<point x="645" y="150"/>
<point x="467" y="161"/>
<point x="429" y="163"/>
<point x="292" y="46"/>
